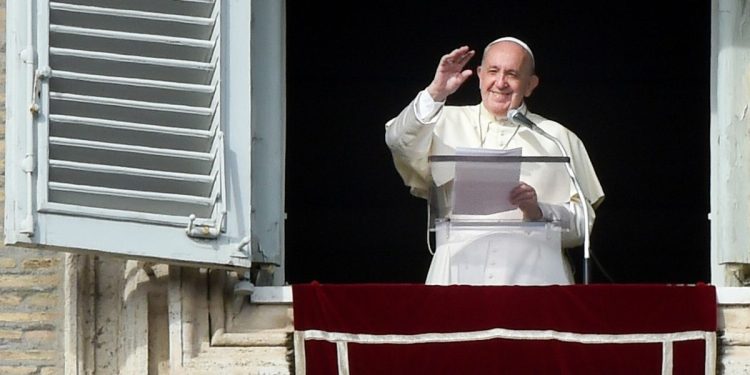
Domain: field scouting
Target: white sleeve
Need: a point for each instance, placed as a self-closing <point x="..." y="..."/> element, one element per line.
<point x="570" y="217"/>
<point x="409" y="138"/>
<point x="425" y="108"/>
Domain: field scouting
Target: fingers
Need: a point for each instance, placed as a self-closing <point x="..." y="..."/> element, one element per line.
<point x="450" y="74"/>
<point x="521" y="193"/>
<point x="456" y="59"/>
<point x="459" y="78"/>
<point x="524" y="197"/>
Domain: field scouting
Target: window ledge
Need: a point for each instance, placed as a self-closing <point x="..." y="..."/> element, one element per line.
<point x="272" y="294"/>
<point x="733" y="295"/>
<point x="283" y="294"/>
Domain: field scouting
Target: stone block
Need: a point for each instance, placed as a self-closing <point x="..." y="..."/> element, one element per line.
<point x="10" y="300"/>
<point x="41" y="300"/>
<point x="18" y="370"/>
<point x="37" y="263"/>
<point x="734" y="317"/>
<point x="28" y="317"/>
<point x="36" y="282"/>
<point x="734" y="360"/>
<point x="27" y="355"/>
<point x="10" y="335"/>
<point x="39" y="336"/>
<point x="8" y="263"/>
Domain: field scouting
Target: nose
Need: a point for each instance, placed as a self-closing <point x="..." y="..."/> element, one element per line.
<point x="501" y="81"/>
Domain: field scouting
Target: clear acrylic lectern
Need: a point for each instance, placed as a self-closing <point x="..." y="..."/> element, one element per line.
<point x="480" y="238"/>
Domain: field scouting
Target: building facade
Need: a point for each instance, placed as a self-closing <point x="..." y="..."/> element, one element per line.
<point x="66" y="313"/>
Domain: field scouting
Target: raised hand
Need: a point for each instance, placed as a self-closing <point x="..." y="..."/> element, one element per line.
<point x="450" y="74"/>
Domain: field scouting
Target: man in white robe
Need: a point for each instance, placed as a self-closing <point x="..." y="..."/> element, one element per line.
<point x="429" y="127"/>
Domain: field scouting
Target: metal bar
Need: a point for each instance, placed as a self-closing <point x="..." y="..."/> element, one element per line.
<point x="498" y="159"/>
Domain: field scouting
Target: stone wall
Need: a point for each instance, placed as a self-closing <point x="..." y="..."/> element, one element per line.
<point x="30" y="312"/>
<point x="30" y="287"/>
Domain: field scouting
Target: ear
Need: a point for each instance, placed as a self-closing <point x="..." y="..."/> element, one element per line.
<point x="533" y="83"/>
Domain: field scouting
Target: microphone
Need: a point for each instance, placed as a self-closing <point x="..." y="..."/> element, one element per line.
<point x="519" y="118"/>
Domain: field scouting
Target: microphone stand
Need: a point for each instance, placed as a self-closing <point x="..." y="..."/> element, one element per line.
<point x="517" y="116"/>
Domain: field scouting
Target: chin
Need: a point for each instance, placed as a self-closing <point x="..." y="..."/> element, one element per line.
<point x="500" y="110"/>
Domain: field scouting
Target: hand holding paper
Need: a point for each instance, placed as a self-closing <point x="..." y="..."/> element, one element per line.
<point x="524" y="197"/>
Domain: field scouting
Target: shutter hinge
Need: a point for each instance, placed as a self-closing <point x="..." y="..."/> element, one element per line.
<point x="201" y="231"/>
<point x="39" y="75"/>
<point x="28" y="55"/>
<point x="28" y="164"/>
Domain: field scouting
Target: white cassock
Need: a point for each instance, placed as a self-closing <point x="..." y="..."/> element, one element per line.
<point x="498" y="257"/>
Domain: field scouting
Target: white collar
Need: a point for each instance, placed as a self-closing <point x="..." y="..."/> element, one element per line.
<point x="487" y="117"/>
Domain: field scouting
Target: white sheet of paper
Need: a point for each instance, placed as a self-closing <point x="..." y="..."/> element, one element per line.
<point x="483" y="188"/>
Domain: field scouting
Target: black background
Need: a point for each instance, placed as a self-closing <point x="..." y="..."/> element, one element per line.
<point x="630" y="78"/>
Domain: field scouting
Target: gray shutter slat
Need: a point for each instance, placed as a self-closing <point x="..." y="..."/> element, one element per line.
<point x="122" y="65"/>
<point x="192" y="8"/>
<point x="76" y="120"/>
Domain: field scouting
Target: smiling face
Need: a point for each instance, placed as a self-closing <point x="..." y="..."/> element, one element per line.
<point x="505" y="77"/>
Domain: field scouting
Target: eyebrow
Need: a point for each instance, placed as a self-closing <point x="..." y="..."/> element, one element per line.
<point x="512" y="70"/>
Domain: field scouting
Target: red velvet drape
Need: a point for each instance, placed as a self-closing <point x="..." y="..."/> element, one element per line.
<point x="583" y="309"/>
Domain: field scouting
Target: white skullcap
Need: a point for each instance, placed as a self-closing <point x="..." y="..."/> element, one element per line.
<point x="516" y="41"/>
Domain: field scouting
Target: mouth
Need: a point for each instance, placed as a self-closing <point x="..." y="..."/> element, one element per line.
<point x="500" y="96"/>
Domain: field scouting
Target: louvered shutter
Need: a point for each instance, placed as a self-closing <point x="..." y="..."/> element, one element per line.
<point x="141" y="130"/>
<point x="134" y="111"/>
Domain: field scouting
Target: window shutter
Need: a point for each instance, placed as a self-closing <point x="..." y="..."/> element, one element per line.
<point x="135" y="106"/>
<point x="128" y="138"/>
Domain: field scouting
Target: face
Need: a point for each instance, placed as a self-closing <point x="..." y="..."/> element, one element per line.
<point x="505" y="77"/>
